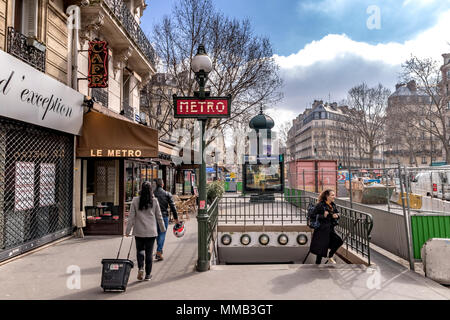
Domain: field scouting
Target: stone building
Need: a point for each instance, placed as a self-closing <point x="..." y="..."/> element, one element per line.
<point x="404" y="141"/>
<point x="321" y="132"/>
<point x="41" y="116"/>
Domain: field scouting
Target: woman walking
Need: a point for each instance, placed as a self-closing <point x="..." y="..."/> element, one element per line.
<point x="325" y="237"/>
<point x="145" y="214"/>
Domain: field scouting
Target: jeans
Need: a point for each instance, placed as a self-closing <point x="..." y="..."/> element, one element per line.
<point x="144" y="248"/>
<point x="162" y="235"/>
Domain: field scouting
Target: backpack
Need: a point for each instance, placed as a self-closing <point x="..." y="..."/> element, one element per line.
<point x="312" y="219"/>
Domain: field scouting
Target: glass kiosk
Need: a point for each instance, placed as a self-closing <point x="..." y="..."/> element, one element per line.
<point x="263" y="176"/>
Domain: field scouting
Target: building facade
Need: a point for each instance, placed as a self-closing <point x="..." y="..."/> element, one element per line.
<point x="404" y="140"/>
<point x="40" y="116"/>
<point x="322" y="133"/>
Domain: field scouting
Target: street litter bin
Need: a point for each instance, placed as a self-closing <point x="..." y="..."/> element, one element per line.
<point x="116" y="272"/>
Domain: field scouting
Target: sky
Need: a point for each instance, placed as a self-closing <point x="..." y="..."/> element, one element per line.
<point x="325" y="47"/>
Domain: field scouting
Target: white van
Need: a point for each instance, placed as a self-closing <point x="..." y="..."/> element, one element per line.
<point x="432" y="182"/>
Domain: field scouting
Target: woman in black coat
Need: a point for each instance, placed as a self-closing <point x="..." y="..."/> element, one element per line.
<point x="325" y="237"/>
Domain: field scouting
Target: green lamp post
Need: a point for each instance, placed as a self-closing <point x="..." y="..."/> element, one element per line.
<point x="201" y="65"/>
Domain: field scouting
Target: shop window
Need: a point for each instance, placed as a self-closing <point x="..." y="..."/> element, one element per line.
<point x="137" y="180"/>
<point x="129" y="181"/>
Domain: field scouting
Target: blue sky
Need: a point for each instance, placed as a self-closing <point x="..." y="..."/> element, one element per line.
<point x="291" y="24"/>
<point x="325" y="47"/>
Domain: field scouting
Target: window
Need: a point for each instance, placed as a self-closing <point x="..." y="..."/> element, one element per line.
<point x="158" y="110"/>
<point x="26" y="17"/>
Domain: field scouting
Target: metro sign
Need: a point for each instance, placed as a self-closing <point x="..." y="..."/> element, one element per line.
<point x="194" y="107"/>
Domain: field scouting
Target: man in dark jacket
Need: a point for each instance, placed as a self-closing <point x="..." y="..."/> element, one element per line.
<point x="165" y="200"/>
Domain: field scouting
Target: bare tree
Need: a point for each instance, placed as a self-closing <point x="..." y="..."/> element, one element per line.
<point x="367" y="117"/>
<point x="283" y="133"/>
<point x="432" y="117"/>
<point x="243" y="64"/>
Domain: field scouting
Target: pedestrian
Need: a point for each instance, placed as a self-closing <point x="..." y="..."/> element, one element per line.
<point x="165" y="200"/>
<point x="325" y="237"/>
<point x="145" y="220"/>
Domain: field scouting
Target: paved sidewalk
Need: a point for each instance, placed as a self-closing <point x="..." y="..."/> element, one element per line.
<point x="42" y="275"/>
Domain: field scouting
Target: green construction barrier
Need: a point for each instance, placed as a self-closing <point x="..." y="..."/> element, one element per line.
<point x="239" y="186"/>
<point x="227" y="186"/>
<point x="299" y="200"/>
<point x="424" y="228"/>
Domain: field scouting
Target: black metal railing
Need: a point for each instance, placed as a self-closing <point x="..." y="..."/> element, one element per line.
<point x="354" y="226"/>
<point x="128" y="111"/>
<point x="101" y="95"/>
<point x="123" y="14"/>
<point x="280" y="210"/>
<point x="18" y="46"/>
<point x="213" y="218"/>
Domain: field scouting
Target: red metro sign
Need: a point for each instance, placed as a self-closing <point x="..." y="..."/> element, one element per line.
<point x="210" y="107"/>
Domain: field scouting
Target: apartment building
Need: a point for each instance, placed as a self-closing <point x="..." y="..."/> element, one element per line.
<point x="321" y="132"/>
<point x="40" y="117"/>
<point x="405" y="141"/>
<point x="409" y="141"/>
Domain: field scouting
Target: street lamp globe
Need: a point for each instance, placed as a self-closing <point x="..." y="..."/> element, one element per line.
<point x="201" y="61"/>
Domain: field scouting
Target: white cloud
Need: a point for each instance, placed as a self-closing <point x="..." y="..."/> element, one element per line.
<point x="326" y="6"/>
<point x="335" y="63"/>
<point x="418" y="2"/>
<point x="431" y="42"/>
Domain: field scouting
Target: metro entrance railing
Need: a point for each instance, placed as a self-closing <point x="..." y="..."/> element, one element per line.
<point x="354" y="226"/>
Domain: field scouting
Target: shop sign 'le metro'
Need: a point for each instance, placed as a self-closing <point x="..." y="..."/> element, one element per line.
<point x="195" y="107"/>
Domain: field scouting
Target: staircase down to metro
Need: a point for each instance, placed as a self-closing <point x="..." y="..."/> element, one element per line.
<point x="274" y="231"/>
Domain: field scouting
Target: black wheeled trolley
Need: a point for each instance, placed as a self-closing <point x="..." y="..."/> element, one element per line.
<point x="115" y="272"/>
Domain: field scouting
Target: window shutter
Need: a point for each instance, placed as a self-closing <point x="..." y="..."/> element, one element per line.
<point x="30" y="18"/>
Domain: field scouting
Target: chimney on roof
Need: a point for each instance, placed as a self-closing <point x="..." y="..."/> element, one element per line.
<point x="412" y="86"/>
<point x="446" y="57"/>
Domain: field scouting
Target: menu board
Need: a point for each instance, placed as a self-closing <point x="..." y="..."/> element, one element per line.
<point x="47" y="184"/>
<point x="24" y="186"/>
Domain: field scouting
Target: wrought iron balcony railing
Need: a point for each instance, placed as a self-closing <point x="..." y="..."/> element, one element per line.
<point x="125" y="17"/>
<point x="127" y="110"/>
<point x="26" y="49"/>
<point x="100" y="95"/>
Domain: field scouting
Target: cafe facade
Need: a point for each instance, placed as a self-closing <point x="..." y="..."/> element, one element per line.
<point x="115" y="156"/>
<point x="39" y="120"/>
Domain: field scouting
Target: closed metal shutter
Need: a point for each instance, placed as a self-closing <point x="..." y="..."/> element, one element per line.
<point x="36" y="186"/>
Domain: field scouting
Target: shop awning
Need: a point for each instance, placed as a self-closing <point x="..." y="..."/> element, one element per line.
<point x="104" y="136"/>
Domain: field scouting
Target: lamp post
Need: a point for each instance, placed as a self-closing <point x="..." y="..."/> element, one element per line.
<point x="201" y="65"/>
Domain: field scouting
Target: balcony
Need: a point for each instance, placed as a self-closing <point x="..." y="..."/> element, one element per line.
<point x="100" y="95"/>
<point x="26" y="49"/>
<point x="127" y="110"/>
<point x="122" y="32"/>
